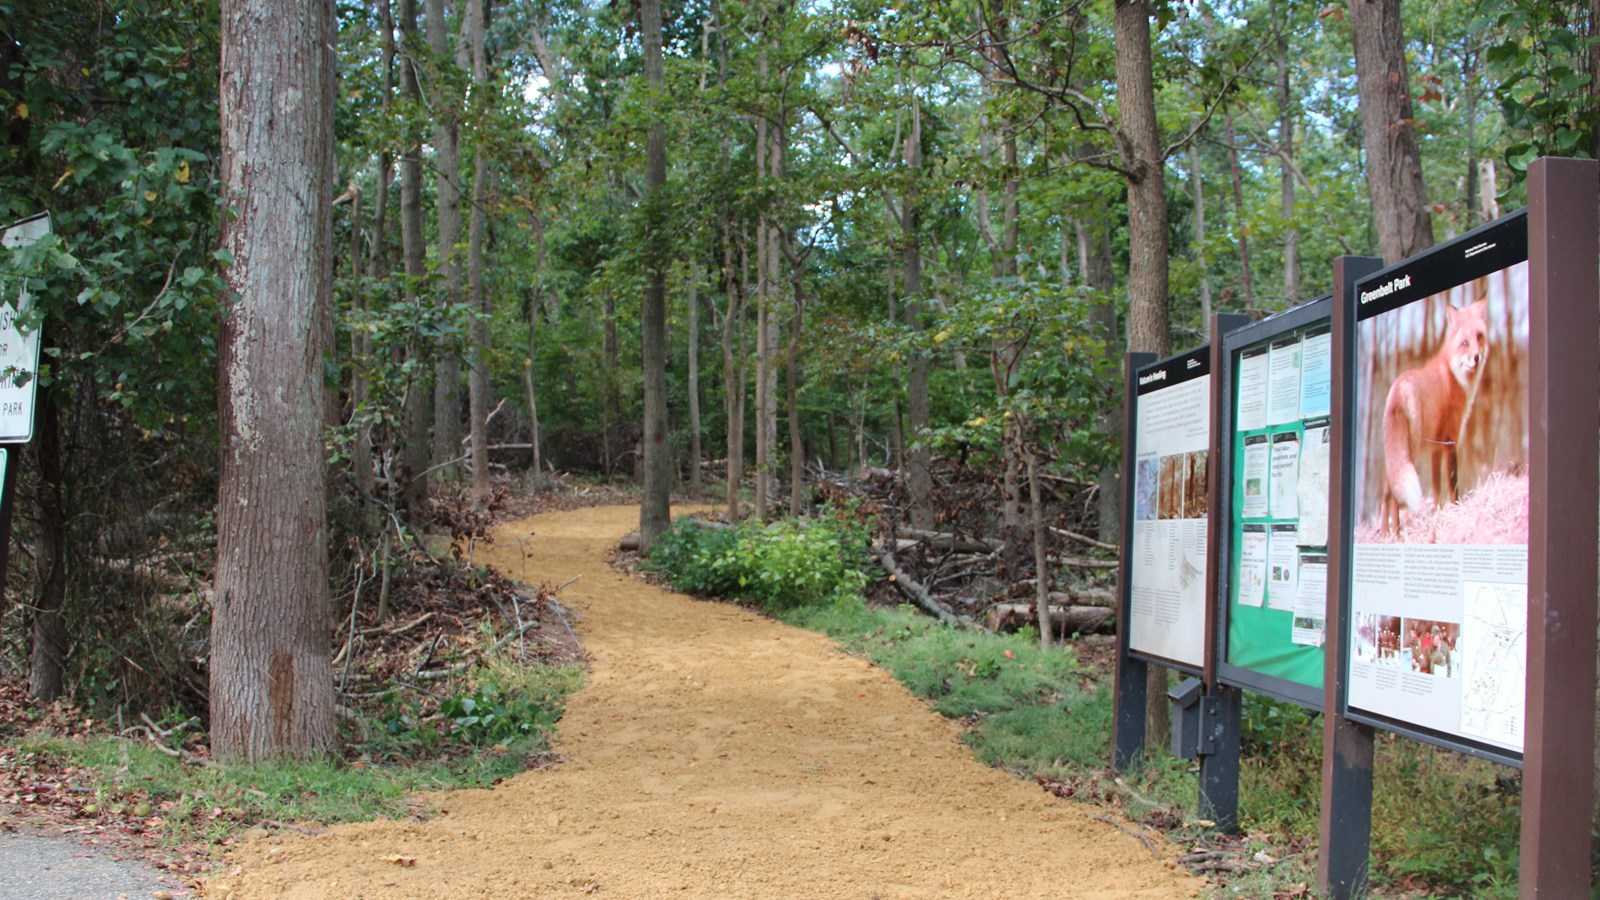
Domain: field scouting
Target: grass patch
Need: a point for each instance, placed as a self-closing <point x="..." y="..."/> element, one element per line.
<point x="495" y="723"/>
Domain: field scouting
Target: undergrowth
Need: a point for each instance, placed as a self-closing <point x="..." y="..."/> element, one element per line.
<point x="494" y="722"/>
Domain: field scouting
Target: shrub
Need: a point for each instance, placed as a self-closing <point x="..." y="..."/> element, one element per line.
<point x="783" y="566"/>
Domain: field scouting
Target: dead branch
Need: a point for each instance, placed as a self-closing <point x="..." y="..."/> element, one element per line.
<point x="917" y="594"/>
<point x="1084" y="539"/>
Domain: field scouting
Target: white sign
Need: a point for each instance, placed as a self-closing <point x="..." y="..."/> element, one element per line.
<point x="19" y="353"/>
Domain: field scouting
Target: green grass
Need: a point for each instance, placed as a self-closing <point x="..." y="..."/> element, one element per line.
<point x="402" y="754"/>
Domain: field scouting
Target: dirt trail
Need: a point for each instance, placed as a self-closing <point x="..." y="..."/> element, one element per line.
<point x="714" y="753"/>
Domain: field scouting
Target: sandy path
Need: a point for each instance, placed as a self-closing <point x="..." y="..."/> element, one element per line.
<point x="714" y="753"/>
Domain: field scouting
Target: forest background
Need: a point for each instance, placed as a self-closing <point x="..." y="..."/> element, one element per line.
<point x="803" y="240"/>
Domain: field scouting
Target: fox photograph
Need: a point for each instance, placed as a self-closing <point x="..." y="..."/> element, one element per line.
<point x="1441" y="421"/>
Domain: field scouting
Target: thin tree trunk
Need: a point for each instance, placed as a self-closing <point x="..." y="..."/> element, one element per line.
<point x="797" y="456"/>
<point x="1196" y="184"/>
<point x="417" y="404"/>
<point x="1241" y="236"/>
<point x="1094" y="255"/>
<point x="696" y="450"/>
<point x="447" y="182"/>
<point x="1388" y="130"/>
<point x="271" y="679"/>
<point x="1041" y="559"/>
<point x="655" y="515"/>
<point x="47" y="660"/>
<point x="361" y="450"/>
<point x="919" y="478"/>
<point x="478" y="389"/>
<point x="536" y="460"/>
<point x="1286" y="123"/>
<point x="1148" y="323"/>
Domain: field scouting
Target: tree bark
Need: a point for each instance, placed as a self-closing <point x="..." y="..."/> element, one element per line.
<point x="919" y="478"/>
<point x="1149" y="328"/>
<point x="655" y="515"/>
<point x="47" y="660"/>
<point x="1041" y="559"/>
<point x="417" y="406"/>
<point x="1196" y="184"/>
<point x="1095" y="262"/>
<point x="447" y="181"/>
<point x="1241" y="230"/>
<point x="696" y="450"/>
<point x="478" y="300"/>
<point x="1388" y="130"/>
<point x="271" y="680"/>
<point x="1286" y="123"/>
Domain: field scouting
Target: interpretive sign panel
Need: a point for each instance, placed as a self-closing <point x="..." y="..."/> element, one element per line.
<point x="1437" y="634"/>
<point x="19" y="352"/>
<point x="1274" y="503"/>
<point x="1167" y="566"/>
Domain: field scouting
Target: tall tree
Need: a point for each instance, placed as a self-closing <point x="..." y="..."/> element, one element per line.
<point x="655" y="515"/>
<point x="271" y="679"/>
<point x="415" y="452"/>
<point x="477" y="234"/>
<point x="447" y="180"/>
<point x="1149" y="328"/>
<point x="1388" y="130"/>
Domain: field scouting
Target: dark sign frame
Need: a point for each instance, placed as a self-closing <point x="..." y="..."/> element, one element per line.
<point x="1303" y="317"/>
<point x="1440" y="268"/>
<point x="1178" y="370"/>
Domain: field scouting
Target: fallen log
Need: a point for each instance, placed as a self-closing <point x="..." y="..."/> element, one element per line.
<point x="1065" y="621"/>
<point x="940" y="540"/>
<point x="917" y="594"/>
<point x="1101" y="597"/>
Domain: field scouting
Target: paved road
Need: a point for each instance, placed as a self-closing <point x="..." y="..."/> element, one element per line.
<point x="52" y="868"/>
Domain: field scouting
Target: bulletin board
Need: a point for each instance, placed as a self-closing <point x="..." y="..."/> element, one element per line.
<point x="1276" y="460"/>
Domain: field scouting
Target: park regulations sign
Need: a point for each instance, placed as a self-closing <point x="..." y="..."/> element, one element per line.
<point x="19" y="349"/>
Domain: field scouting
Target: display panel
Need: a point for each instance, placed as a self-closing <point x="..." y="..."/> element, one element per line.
<point x="1277" y="503"/>
<point x="1167" y="565"/>
<point x="1437" y="634"/>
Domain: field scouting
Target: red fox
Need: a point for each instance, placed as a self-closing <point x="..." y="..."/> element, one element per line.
<point x="1426" y="412"/>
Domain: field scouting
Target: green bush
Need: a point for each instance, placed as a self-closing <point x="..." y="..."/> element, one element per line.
<point x="782" y="566"/>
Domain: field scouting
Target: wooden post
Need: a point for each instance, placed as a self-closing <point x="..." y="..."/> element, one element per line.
<point x="1558" y="741"/>
<point x="1346" y="816"/>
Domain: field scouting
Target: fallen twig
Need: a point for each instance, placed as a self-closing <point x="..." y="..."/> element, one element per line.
<point x="1136" y="833"/>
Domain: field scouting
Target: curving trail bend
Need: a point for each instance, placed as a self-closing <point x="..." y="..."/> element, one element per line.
<point x="715" y="753"/>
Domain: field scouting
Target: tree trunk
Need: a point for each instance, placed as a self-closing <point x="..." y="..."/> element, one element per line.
<point x="655" y="515"/>
<point x="47" y="661"/>
<point x="1388" y="130"/>
<point x="1041" y="559"/>
<point x="1241" y="233"/>
<point x="696" y="450"/>
<point x="1094" y="255"/>
<point x="733" y="369"/>
<point x="271" y="678"/>
<point x="1196" y="184"/>
<point x="478" y="390"/>
<point x="535" y="460"/>
<point x="797" y="454"/>
<point x="1286" y="122"/>
<point x="919" y="478"/>
<point x="1148" y="324"/>
<point x="411" y="241"/>
<point x="447" y="181"/>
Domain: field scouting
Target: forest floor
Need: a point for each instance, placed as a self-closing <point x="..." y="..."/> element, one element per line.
<point x="714" y="752"/>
